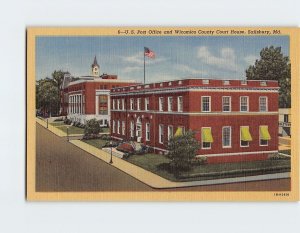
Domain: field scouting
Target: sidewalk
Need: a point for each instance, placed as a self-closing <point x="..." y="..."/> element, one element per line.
<point x="156" y="181"/>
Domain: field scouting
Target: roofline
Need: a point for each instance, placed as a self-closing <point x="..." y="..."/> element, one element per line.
<point x="182" y="79"/>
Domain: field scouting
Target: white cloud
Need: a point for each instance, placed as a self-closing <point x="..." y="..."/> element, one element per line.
<point x="189" y="70"/>
<point x="250" y="59"/>
<point x="226" y="59"/>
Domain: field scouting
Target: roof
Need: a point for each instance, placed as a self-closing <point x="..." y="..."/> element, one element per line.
<point x="95" y="63"/>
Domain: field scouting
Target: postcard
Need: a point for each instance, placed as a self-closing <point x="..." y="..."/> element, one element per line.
<point x="162" y="114"/>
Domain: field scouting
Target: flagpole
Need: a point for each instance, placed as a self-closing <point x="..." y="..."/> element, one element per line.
<point x="144" y="68"/>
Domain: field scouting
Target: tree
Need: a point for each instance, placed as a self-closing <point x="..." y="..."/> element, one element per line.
<point x="273" y="65"/>
<point x="92" y="128"/>
<point x="57" y="78"/>
<point x="47" y="97"/>
<point x="182" y="150"/>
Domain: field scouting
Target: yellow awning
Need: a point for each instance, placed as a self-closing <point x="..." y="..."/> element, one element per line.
<point x="264" y="133"/>
<point x="206" y="135"/>
<point x="179" y="132"/>
<point x="245" y="134"/>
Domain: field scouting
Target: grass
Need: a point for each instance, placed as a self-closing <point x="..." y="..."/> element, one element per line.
<point x="98" y="143"/>
<point x="287" y="152"/>
<point x="72" y="129"/>
<point x="153" y="162"/>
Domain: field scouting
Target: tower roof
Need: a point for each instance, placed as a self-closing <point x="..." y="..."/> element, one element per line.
<point x="95" y="63"/>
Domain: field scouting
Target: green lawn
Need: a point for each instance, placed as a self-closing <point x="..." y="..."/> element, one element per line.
<point x="105" y="130"/>
<point x="57" y="123"/>
<point x="153" y="162"/>
<point x="287" y="152"/>
<point x="96" y="142"/>
<point x="72" y="129"/>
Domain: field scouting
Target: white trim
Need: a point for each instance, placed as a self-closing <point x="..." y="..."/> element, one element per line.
<point x="169" y="132"/>
<point x="147" y="102"/>
<point x="247" y="103"/>
<point x="200" y="89"/>
<point x="170" y="105"/>
<point x="147" y="126"/>
<point x="267" y="106"/>
<point x="237" y="153"/>
<point x="161" y="101"/>
<point x="160" y="132"/>
<point x="117" y="138"/>
<point x="209" y="97"/>
<point x="178" y="97"/>
<point x="229" y="103"/>
<point x="200" y="113"/>
<point x="230" y="137"/>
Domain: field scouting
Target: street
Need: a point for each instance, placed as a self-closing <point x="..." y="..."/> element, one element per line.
<point x="61" y="166"/>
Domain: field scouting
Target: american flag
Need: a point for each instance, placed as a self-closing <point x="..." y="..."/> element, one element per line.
<point x="149" y="53"/>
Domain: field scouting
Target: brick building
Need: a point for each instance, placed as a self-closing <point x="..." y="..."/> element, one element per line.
<point x="88" y="97"/>
<point x="234" y="120"/>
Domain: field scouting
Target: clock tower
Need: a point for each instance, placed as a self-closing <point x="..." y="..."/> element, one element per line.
<point x="95" y="68"/>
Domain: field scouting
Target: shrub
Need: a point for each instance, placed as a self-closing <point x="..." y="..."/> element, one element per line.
<point x="182" y="151"/>
<point x="92" y="127"/>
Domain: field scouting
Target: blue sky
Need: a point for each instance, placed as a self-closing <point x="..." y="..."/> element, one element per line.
<point x="176" y="57"/>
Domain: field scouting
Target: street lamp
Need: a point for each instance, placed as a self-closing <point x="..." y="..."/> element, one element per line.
<point x="110" y="143"/>
<point x="68" y="133"/>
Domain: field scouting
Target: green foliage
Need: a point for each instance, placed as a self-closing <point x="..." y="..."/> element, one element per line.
<point x="273" y="65"/>
<point x="48" y="92"/>
<point x="47" y="96"/>
<point x="182" y="151"/>
<point x="92" y="127"/>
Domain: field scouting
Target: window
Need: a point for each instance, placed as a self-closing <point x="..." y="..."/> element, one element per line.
<point x="118" y="127"/>
<point x="205" y="81"/>
<point x="226" y="136"/>
<point x="245" y="136"/>
<point x="131" y="104"/>
<point x="243" y="82"/>
<point x="263" y="104"/>
<point x="103" y="99"/>
<point x="244" y="105"/>
<point x="286" y="118"/>
<point x="118" y="104"/>
<point x="264" y="135"/>
<point x="170" y="104"/>
<point x="161" y="134"/>
<point x="147" y="131"/>
<point x="161" y="104"/>
<point x="147" y="104"/>
<point x="179" y="104"/>
<point x="205" y="103"/>
<point x="123" y="104"/>
<point x="206" y="137"/>
<point x="226" y="103"/>
<point x="123" y="127"/>
<point x="103" y="110"/>
<point x="139" y="104"/>
<point x="114" y="104"/>
<point x="170" y="132"/>
<point x="114" y="126"/>
<point x="131" y="129"/>
<point x="226" y="82"/>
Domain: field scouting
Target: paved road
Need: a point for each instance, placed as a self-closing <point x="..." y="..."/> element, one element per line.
<point x="62" y="166"/>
